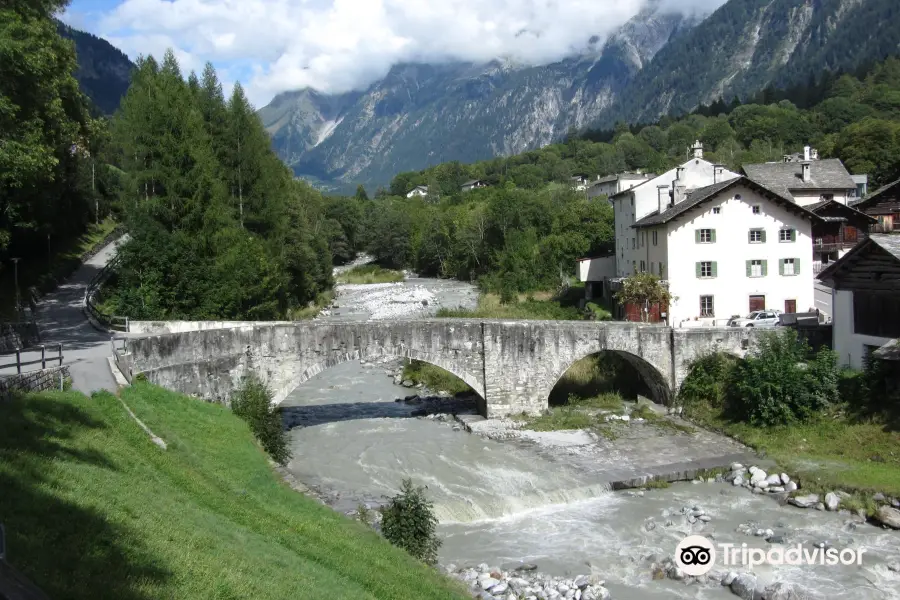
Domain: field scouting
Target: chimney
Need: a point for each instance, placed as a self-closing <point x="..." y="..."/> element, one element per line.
<point x="661" y="194"/>
<point x="805" y="167"/>
<point x="679" y="173"/>
<point x="718" y="171"/>
<point x="697" y="149"/>
<point x="814" y="154"/>
<point x="806" y="153"/>
<point x="677" y="193"/>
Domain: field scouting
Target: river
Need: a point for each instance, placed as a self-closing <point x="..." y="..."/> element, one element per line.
<point x="507" y="502"/>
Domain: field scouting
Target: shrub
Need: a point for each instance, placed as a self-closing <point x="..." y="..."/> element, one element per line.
<point x="408" y="522"/>
<point x="705" y="383"/>
<point x="253" y="403"/>
<point x="774" y="386"/>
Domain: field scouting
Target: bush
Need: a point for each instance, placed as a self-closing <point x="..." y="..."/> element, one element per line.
<point x="705" y="383"/>
<point x="408" y="522"/>
<point x="775" y="385"/>
<point x="253" y="403"/>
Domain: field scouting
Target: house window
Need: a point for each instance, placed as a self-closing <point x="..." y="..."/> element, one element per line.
<point x="717" y="210"/>
<point x="756" y="268"/>
<point x="756" y="209"/>
<point x="633" y="243"/>
<point x="655" y="237"/>
<point x="633" y="267"/>
<point x="876" y="313"/>
<point x="789" y="266"/>
<point x="643" y="266"/>
<point x="632" y="200"/>
<point x="705" y="236"/>
<point x="757" y="236"/>
<point x="652" y="268"/>
<point x="661" y="269"/>
<point x="787" y="235"/>
<point x="706" y="269"/>
<point x="706" y="306"/>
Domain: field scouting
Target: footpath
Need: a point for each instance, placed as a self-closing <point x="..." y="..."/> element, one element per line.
<point x="61" y="320"/>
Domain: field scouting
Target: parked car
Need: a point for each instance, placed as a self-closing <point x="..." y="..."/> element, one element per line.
<point x="758" y="318"/>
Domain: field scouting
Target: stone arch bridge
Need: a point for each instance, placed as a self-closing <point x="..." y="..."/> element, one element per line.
<point x="512" y="365"/>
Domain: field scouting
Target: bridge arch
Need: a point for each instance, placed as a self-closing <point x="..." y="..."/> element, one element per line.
<point x="311" y="370"/>
<point x="655" y="381"/>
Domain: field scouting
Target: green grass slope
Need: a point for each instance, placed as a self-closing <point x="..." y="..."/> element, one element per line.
<point x="93" y="509"/>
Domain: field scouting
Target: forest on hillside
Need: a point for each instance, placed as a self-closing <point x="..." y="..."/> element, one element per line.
<point x="219" y="227"/>
<point x="526" y="231"/>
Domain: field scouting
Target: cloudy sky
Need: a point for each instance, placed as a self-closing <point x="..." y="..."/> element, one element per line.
<point x="337" y="45"/>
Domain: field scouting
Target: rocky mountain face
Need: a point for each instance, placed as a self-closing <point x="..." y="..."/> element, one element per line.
<point x="747" y="45"/>
<point x="423" y="114"/>
<point x="657" y="63"/>
<point x="104" y="72"/>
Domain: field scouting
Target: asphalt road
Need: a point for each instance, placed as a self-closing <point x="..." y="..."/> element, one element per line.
<point x="62" y="321"/>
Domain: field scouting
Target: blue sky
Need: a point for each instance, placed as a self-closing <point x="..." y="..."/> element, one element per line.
<point x="272" y="46"/>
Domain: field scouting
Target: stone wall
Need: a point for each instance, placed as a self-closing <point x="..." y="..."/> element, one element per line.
<point x="512" y="365"/>
<point x="160" y="327"/>
<point x="33" y="381"/>
<point x="18" y="335"/>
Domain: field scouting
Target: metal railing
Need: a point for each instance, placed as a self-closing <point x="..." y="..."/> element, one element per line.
<point x="42" y="360"/>
<point x="114" y="322"/>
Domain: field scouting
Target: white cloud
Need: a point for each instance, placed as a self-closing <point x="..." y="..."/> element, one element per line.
<point x="339" y="45"/>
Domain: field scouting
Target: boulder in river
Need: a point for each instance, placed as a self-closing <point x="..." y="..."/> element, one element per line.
<point x="832" y="501"/>
<point x="889" y="516"/>
<point x="807" y="501"/>
<point x="744" y="586"/>
<point x="407" y="383"/>
<point x="784" y="591"/>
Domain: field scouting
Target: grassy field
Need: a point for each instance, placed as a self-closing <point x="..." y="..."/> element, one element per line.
<point x="36" y="270"/>
<point x="833" y="453"/>
<point x="369" y="274"/>
<point x="93" y="509"/>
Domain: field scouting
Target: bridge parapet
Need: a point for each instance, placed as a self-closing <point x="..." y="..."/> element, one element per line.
<point x="512" y="365"/>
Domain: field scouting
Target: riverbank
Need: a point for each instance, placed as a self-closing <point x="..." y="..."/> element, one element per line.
<point x="207" y="516"/>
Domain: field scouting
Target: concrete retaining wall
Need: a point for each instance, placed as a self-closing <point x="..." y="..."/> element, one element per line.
<point x="34" y="381"/>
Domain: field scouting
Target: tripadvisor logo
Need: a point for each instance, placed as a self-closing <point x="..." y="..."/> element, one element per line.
<point x="695" y="555"/>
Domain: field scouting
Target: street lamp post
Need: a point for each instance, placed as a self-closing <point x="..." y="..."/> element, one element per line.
<point x="16" y="277"/>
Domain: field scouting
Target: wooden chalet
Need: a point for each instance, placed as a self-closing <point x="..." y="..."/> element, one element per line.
<point x="884" y="206"/>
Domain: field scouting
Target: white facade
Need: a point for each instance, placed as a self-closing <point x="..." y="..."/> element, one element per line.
<point x="596" y="269"/>
<point x="614" y="184"/>
<point x="849" y="345"/>
<point x="419" y="190"/>
<point x="652" y="196"/>
<point x="729" y="286"/>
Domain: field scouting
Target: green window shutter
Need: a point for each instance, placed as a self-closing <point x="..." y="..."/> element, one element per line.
<point x="712" y="234"/>
<point x="796" y="266"/>
<point x="793" y="235"/>
<point x="715" y="270"/>
<point x="763" y="236"/>
<point x="781" y="266"/>
<point x="765" y="268"/>
<point x="697" y="236"/>
<point x="749" y="268"/>
<point x="698" y="269"/>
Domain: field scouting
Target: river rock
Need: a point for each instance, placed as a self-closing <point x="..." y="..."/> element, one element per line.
<point x="738" y="481"/>
<point x="785" y="479"/>
<point x="758" y="477"/>
<point x="705" y="518"/>
<point x="773" y="479"/>
<point x="790" y="486"/>
<point x="499" y="588"/>
<point x="737" y="467"/>
<point x="784" y="591"/>
<point x="408" y="383"/>
<point x="807" y="501"/>
<point x="895" y="567"/>
<point x="581" y="582"/>
<point x="888" y="516"/>
<point x="832" y="501"/>
<point x="486" y="583"/>
<point x="729" y="578"/>
<point x="775" y="489"/>
<point x="878" y="497"/>
<point x="744" y="586"/>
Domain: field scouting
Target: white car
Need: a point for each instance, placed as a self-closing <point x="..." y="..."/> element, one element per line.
<point x="758" y="318"/>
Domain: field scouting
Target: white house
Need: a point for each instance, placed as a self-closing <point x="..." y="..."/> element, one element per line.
<point x="419" y="190"/>
<point x="580" y="182"/>
<point x="473" y="184"/>
<point x="865" y="285"/>
<point x="652" y="196"/>
<point x="725" y="250"/>
<point x="613" y="184"/>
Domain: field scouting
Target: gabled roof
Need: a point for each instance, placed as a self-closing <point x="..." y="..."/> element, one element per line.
<point x="782" y="177"/>
<point x="886" y="242"/>
<point x="876" y="195"/>
<point x="696" y="197"/>
<point x="848" y="212"/>
<point x="473" y="182"/>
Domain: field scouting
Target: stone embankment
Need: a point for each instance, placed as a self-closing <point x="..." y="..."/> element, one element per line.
<point x="523" y="581"/>
<point x="53" y="378"/>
